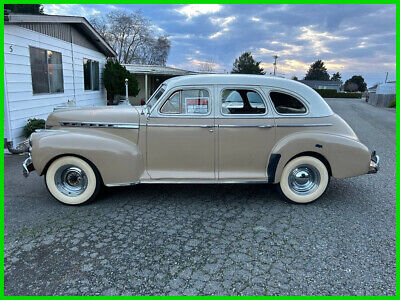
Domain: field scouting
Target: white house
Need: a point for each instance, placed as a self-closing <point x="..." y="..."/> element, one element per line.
<point x="49" y="61"/>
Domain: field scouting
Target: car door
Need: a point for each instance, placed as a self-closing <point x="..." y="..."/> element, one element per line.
<point x="246" y="133"/>
<point x="180" y="136"/>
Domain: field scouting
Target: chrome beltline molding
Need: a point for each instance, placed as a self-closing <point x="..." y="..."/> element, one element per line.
<point x="246" y="126"/>
<point x="179" y="125"/>
<point x="304" y="125"/>
<point x="99" y="125"/>
<point x="239" y="125"/>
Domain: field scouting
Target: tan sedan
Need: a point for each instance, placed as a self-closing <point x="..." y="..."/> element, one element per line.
<point x="202" y="129"/>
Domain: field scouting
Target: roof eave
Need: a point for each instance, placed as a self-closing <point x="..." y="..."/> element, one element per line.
<point x="96" y="37"/>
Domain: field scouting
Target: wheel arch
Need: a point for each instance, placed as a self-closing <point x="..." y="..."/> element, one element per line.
<point x="95" y="169"/>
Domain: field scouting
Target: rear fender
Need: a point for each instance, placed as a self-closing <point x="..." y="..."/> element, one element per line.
<point x="346" y="157"/>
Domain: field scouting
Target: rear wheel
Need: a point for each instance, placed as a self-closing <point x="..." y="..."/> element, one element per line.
<point x="71" y="180"/>
<point x="304" y="179"/>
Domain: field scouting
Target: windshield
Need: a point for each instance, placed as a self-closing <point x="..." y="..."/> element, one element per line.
<point x="156" y="95"/>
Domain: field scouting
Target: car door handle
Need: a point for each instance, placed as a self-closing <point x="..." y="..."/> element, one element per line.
<point x="206" y="126"/>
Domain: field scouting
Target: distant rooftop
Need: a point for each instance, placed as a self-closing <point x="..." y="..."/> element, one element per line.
<point x="156" y="70"/>
<point x="321" y="82"/>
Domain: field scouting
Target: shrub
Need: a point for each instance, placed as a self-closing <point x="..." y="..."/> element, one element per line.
<point x="114" y="80"/>
<point x="32" y="125"/>
<point x="336" y="94"/>
<point x="392" y="104"/>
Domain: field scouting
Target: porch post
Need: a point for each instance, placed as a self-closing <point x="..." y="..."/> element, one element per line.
<point x="146" y="97"/>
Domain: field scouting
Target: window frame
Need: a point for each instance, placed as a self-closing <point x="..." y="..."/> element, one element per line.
<point x="92" y="81"/>
<point x="183" y="115"/>
<point x="249" y="88"/>
<point x="290" y="93"/>
<point x="48" y="75"/>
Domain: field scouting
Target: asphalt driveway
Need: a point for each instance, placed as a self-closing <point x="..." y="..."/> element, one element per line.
<point x="209" y="239"/>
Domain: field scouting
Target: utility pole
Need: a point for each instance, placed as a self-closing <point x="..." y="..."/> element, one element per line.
<point x="275" y="58"/>
<point x="387" y="74"/>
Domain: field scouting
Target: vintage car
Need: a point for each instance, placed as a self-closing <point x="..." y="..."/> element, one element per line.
<point x="202" y="129"/>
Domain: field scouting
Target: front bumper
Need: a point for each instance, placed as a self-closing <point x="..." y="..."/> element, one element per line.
<point x="374" y="163"/>
<point x="27" y="166"/>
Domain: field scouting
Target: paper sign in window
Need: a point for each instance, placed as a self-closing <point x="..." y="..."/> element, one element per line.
<point x="196" y="105"/>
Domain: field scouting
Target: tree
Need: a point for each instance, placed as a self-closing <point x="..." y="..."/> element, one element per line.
<point x="295" y="78"/>
<point x="246" y="64"/>
<point x="207" y="66"/>
<point x="317" y="71"/>
<point x="132" y="37"/>
<point x="35" y="9"/>
<point x="114" y="76"/>
<point x="336" y="77"/>
<point x="355" y="83"/>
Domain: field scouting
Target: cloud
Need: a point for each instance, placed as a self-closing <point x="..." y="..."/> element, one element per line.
<point x="222" y="23"/>
<point x="194" y="10"/>
<point x="70" y="10"/>
<point x="281" y="48"/>
<point x="318" y="40"/>
<point x="254" y="19"/>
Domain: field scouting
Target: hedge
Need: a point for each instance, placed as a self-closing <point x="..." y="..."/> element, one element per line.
<point x="336" y="94"/>
<point x="392" y="104"/>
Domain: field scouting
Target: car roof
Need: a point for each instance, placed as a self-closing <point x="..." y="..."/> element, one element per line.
<point x="317" y="106"/>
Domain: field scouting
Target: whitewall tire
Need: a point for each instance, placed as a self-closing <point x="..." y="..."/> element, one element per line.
<point x="72" y="180"/>
<point x="304" y="179"/>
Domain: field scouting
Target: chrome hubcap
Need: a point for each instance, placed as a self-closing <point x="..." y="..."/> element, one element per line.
<point x="71" y="180"/>
<point x="304" y="179"/>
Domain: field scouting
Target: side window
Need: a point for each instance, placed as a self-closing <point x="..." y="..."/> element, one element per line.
<point x="187" y="102"/>
<point x="173" y="104"/>
<point x="195" y="102"/>
<point x="242" y="101"/>
<point x="287" y="104"/>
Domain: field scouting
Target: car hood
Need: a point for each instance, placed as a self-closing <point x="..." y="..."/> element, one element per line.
<point x="106" y="114"/>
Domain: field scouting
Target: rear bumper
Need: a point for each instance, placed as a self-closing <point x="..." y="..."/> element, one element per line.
<point x="27" y="166"/>
<point x="374" y="163"/>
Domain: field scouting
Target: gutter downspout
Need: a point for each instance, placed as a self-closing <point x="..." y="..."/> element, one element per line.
<point x="73" y="63"/>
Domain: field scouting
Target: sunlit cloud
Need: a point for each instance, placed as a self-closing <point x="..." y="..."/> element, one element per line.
<point x="70" y="10"/>
<point x="194" y="10"/>
<point x="318" y="40"/>
<point x="222" y="23"/>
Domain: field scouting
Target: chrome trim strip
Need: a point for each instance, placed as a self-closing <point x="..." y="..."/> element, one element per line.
<point x="180" y="125"/>
<point x="246" y="126"/>
<point x="99" y="125"/>
<point x="221" y="181"/>
<point x="122" y="184"/>
<point x="303" y="125"/>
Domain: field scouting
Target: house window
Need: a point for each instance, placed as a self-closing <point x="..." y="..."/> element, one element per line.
<point x="91" y="74"/>
<point x="46" y="70"/>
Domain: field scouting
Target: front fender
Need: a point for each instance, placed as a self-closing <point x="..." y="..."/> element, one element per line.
<point x="347" y="157"/>
<point x="118" y="159"/>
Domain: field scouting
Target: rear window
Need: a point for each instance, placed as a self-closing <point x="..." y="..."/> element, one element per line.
<point x="287" y="104"/>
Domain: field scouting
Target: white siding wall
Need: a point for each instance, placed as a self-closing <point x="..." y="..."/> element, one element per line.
<point x="22" y="103"/>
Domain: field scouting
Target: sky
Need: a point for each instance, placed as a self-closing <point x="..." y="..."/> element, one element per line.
<point x="350" y="39"/>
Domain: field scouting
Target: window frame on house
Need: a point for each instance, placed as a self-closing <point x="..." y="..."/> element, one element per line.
<point x="94" y="77"/>
<point x="46" y="73"/>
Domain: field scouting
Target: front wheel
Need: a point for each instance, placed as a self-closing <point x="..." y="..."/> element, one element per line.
<point x="304" y="179"/>
<point x="71" y="180"/>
